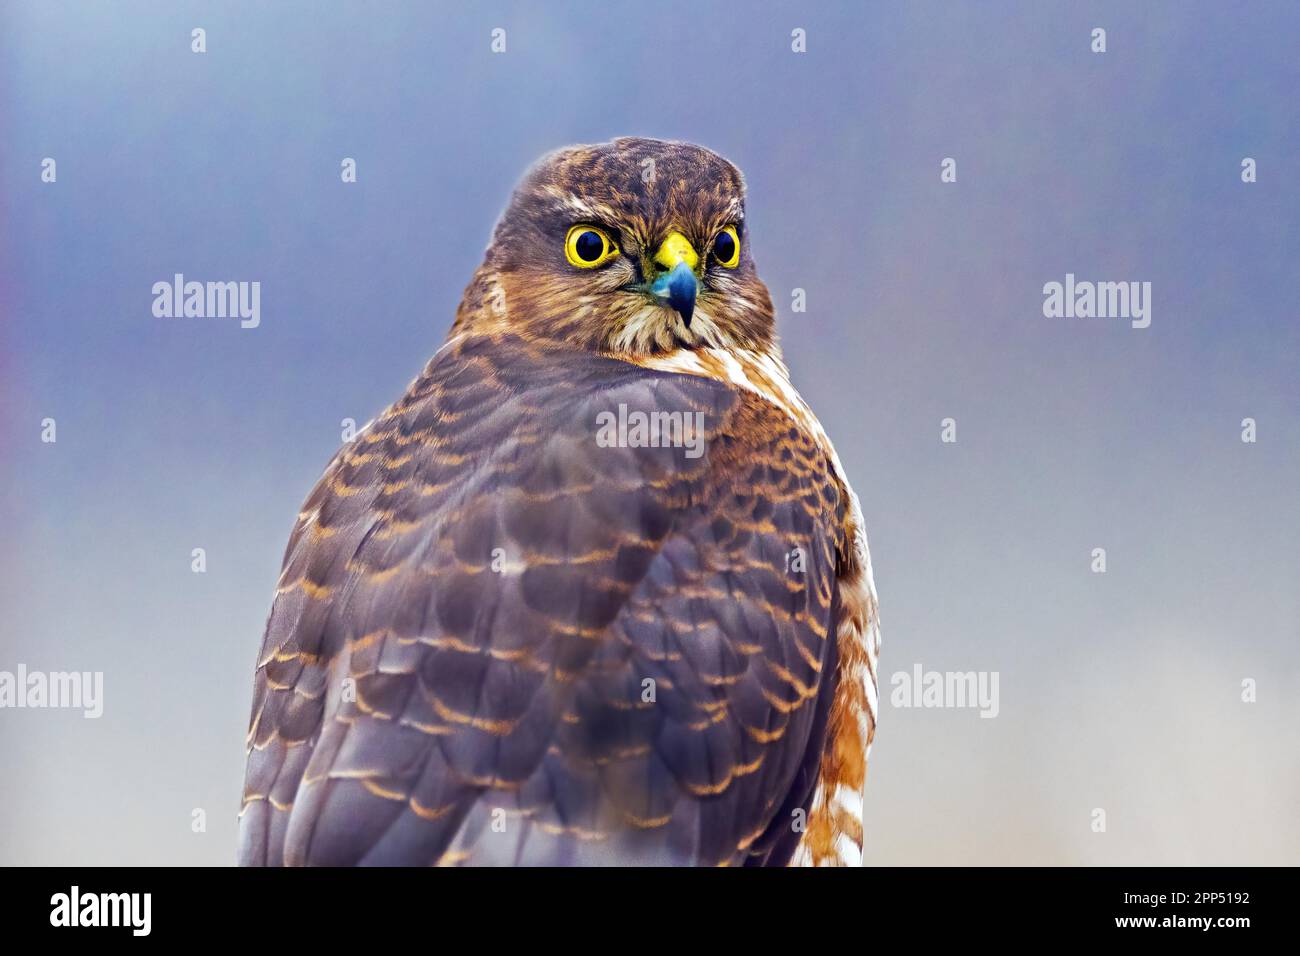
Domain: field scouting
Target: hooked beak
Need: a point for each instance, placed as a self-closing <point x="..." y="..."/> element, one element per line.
<point x="677" y="285"/>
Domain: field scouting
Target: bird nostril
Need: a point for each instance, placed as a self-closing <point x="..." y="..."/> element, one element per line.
<point x="663" y="270"/>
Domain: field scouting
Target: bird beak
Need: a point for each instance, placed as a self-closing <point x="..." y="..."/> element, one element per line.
<point x="677" y="285"/>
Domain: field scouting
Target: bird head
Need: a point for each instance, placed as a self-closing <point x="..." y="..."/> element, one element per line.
<point x="635" y="246"/>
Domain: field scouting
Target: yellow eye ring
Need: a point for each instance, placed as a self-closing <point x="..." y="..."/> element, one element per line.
<point x="726" y="248"/>
<point x="588" y="246"/>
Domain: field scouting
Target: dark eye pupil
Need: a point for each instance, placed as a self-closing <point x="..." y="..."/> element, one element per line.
<point x="724" y="247"/>
<point x="589" y="246"/>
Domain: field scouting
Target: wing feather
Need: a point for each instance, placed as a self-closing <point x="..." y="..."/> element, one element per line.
<point x="497" y="640"/>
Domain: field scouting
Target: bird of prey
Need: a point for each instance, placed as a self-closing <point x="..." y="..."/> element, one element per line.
<point x="595" y="590"/>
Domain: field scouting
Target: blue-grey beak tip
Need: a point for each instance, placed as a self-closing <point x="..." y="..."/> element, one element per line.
<point x="678" y="289"/>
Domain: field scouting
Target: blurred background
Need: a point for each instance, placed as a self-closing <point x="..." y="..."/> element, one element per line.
<point x="1120" y="691"/>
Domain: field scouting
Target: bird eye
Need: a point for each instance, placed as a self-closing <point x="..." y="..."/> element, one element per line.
<point x="726" y="248"/>
<point x="589" y="246"/>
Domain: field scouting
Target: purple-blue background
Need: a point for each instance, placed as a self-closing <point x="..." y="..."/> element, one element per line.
<point x="1119" y="691"/>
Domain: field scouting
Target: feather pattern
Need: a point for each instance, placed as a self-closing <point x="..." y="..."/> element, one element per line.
<point x="496" y="641"/>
